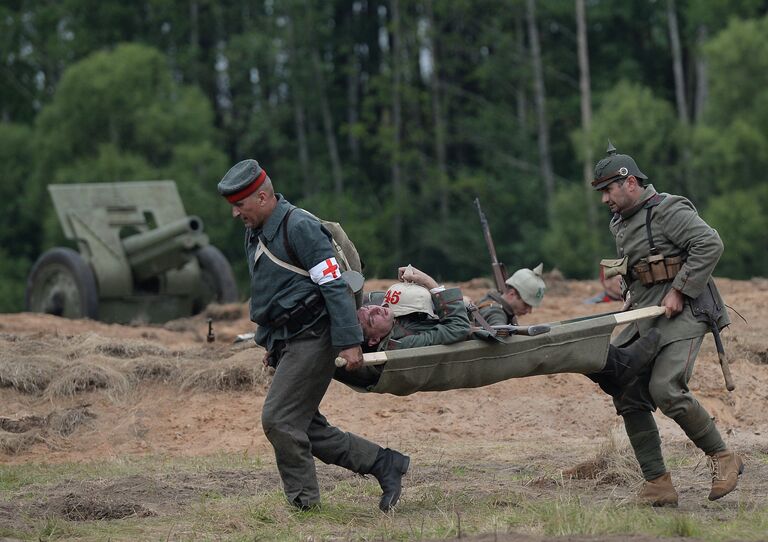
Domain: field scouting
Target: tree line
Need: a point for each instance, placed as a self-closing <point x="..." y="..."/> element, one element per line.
<point x="391" y="116"/>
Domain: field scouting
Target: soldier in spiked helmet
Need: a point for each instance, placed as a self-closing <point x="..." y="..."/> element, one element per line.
<point x="666" y="253"/>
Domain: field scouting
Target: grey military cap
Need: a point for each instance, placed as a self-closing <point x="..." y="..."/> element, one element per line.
<point x="241" y="180"/>
<point x="615" y="167"/>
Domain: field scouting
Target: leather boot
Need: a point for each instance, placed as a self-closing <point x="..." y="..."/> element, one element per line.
<point x="634" y="358"/>
<point x="658" y="492"/>
<point x="389" y="468"/>
<point x="726" y="467"/>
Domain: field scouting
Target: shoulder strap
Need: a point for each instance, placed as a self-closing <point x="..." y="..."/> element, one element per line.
<point x="262" y="249"/>
<point x="286" y="241"/>
<point x="652" y="202"/>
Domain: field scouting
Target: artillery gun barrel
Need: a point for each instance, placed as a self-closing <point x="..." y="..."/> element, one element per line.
<point x="167" y="247"/>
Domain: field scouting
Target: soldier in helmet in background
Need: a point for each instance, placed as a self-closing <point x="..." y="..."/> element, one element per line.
<point x="666" y="254"/>
<point x="525" y="291"/>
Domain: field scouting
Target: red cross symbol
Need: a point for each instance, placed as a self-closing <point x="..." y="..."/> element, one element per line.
<point x="331" y="269"/>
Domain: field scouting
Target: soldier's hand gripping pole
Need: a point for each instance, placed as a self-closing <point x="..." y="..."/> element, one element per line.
<point x="729" y="385"/>
<point x="499" y="271"/>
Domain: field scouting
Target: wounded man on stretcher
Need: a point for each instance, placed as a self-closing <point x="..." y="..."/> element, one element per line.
<point x="408" y="328"/>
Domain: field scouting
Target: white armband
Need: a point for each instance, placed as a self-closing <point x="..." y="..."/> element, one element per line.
<point x="325" y="271"/>
<point x="437" y="289"/>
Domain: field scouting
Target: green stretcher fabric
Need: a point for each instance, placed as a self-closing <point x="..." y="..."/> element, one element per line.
<point x="572" y="346"/>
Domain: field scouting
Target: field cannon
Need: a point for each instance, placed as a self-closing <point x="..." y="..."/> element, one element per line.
<point x="141" y="257"/>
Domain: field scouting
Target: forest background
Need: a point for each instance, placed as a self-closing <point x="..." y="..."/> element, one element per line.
<point x="391" y="116"/>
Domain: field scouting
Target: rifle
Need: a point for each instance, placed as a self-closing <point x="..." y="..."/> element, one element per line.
<point x="507" y="330"/>
<point x="499" y="271"/>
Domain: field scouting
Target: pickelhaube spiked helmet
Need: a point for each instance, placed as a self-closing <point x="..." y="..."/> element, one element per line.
<point x="615" y="167"/>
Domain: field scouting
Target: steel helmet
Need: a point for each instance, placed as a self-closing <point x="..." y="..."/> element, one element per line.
<point x="407" y="298"/>
<point x="615" y="167"/>
<point x="529" y="284"/>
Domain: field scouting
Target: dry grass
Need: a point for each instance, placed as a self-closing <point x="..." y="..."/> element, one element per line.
<point x="28" y="374"/>
<point x="231" y="374"/>
<point x="155" y="369"/>
<point x="64" y="423"/>
<point x="76" y="507"/>
<point x="88" y="375"/>
<point x="64" y="366"/>
<point x="614" y="463"/>
<point x="230" y="311"/>
<point x="17" y="435"/>
<point x="12" y="444"/>
<point x="91" y="344"/>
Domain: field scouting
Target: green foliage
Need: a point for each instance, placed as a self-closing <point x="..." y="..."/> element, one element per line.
<point x="125" y="98"/>
<point x="184" y="90"/>
<point x="640" y="124"/>
<point x="569" y="236"/>
<point x="731" y="145"/>
<point x="741" y="219"/>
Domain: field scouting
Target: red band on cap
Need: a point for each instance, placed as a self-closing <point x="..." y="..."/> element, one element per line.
<point x="248" y="190"/>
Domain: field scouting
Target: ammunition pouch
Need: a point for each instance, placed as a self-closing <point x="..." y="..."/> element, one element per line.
<point x="657" y="269"/>
<point x="611" y="268"/>
<point x="300" y="315"/>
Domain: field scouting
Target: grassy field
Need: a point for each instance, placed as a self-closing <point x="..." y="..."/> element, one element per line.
<point x="237" y="497"/>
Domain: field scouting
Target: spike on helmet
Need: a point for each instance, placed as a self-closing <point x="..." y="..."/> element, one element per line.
<point x="615" y="167"/>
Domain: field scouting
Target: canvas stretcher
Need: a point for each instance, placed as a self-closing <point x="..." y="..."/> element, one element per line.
<point x="579" y="345"/>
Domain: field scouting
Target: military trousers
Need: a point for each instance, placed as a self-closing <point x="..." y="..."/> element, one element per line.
<point x="295" y="427"/>
<point x="666" y="386"/>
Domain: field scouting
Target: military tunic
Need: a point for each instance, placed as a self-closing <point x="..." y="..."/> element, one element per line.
<point x="275" y="290"/>
<point x="304" y="353"/>
<point x="676" y="229"/>
<point x="490" y="307"/>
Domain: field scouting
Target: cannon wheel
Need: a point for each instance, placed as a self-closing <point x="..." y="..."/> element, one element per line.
<point x="219" y="284"/>
<point x="62" y="283"/>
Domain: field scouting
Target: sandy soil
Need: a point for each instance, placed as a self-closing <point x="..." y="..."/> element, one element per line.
<point x="558" y="416"/>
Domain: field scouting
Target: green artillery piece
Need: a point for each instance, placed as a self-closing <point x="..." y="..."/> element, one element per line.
<point x="141" y="259"/>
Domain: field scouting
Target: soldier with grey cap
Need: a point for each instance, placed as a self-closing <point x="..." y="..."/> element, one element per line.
<point x="306" y="318"/>
<point x="666" y="253"/>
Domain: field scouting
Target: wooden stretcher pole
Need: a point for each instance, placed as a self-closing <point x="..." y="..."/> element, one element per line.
<point x="371" y="358"/>
<point x="638" y="314"/>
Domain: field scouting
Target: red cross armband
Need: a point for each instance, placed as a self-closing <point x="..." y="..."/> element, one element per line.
<point x="325" y="271"/>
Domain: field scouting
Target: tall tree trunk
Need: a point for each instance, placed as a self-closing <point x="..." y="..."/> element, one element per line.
<point x="586" y="113"/>
<point x="683" y="174"/>
<point x="520" y="98"/>
<point x="299" y="117"/>
<point x="194" y="25"/>
<point x="397" y="180"/>
<point x="677" y="63"/>
<point x="353" y="103"/>
<point x="438" y="118"/>
<point x="702" y="88"/>
<point x="328" y="126"/>
<point x="301" y="140"/>
<point x="329" y="130"/>
<point x="545" y="159"/>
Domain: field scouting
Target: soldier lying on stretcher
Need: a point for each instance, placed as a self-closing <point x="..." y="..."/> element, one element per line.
<point x="419" y="312"/>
